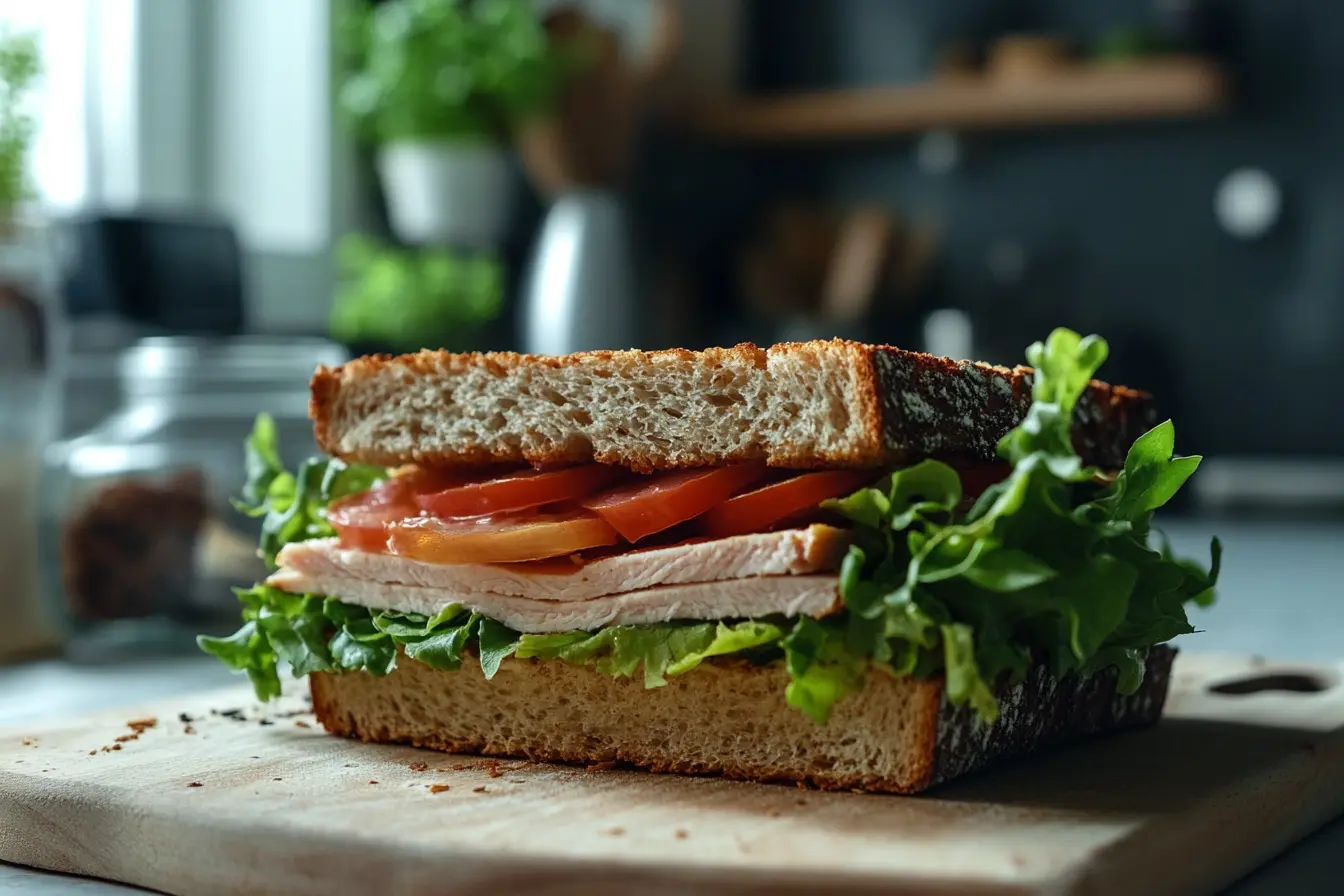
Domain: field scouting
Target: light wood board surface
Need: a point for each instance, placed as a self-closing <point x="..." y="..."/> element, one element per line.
<point x="1221" y="785"/>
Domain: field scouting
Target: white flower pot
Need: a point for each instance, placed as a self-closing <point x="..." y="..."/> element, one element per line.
<point x="447" y="192"/>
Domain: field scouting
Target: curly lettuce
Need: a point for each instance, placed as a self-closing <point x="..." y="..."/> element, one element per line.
<point x="292" y="506"/>
<point x="1047" y="566"/>
<point x="315" y="634"/>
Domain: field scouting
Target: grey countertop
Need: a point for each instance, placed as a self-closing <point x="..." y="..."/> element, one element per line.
<point x="1281" y="596"/>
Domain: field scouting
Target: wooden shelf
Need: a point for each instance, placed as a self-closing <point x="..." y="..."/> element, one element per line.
<point x="1173" y="87"/>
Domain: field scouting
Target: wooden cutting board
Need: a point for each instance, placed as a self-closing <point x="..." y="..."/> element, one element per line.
<point x="209" y="801"/>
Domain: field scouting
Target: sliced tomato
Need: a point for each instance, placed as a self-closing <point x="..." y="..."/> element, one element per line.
<point x="363" y="528"/>
<point x="770" y="505"/>
<point x="518" y="491"/>
<point x="361" y="520"/>
<point x="663" y="500"/>
<point x="507" y="539"/>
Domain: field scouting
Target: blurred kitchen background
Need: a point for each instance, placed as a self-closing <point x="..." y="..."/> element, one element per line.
<point x="201" y="200"/>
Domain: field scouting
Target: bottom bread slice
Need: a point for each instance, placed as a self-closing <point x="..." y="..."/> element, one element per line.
<point x="728" y="717"/>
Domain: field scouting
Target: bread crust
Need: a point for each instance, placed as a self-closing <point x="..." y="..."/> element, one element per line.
<point x="730" y="718"/>
<point x="895" y="406"/>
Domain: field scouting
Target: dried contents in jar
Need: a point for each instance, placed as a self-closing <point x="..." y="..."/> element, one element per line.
<point x="129" y="552"/>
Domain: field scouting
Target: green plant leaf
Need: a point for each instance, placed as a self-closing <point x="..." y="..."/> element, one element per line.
<point x="449" y="70"/>
<point x="315" y="634"/>
<point x="298" y="634"/>
<point x="293" y="507"/>
<point x="821" y="669"/>
<point x="965" y="686"/>
<point x="497" y="643"/>
<point x="1044" y="567"/>
<point x="414" y="298"/>
<point x="1152" y="475"/>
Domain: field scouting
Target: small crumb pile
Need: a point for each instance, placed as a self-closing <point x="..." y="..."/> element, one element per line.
<point x="137" y="726"/>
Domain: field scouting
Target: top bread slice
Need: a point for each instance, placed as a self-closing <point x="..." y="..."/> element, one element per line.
<point x="800" y="405"/>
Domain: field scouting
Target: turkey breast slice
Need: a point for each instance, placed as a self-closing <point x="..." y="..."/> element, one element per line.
<point x="791" y="553"/>
<point x="813" y="595"/>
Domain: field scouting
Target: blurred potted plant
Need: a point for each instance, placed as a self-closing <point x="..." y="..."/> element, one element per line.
<point x="408" y="299"/>
<point x="20" y="65"/>
<point x="438" y="86"/>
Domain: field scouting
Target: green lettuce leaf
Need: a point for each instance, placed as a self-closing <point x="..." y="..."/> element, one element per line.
<point x="313" y="634"/>
<point x="821" y="668"/>
<point x="293" y="506"/>
<point x="495" y="643"/>
<point x="1043" y="568"/>
<point x="660" y="650"/>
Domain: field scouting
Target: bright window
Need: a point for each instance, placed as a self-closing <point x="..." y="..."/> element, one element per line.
<point x="60" y="162"/>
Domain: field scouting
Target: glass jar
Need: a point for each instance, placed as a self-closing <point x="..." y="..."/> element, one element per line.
<point x="140" y="543"/>
<point x="23" y="426"/>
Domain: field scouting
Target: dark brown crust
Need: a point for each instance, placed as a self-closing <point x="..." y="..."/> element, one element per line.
<point x="935" y="406"/>
<point x="910" y="405"/>
<point x="942" y="742"/>
<point x="1039" y="714"/>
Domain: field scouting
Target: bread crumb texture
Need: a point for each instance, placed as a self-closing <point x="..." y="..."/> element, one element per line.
<point x="812" y="404"/>
<point x="727" y="717"/>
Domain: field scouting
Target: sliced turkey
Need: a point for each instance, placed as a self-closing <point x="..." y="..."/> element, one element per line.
<point x="740" y="598"/>
<point x="795" y="552"/>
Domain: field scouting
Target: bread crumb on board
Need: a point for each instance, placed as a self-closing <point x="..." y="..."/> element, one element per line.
<point x="29" y="741"/>
<point x="195" y="784"/>
<point x="439" y="788"/>
<point x="137" y="726"/>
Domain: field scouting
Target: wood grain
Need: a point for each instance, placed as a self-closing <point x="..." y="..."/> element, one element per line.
<point x="1174" y="87"/>
<point x="1223" y="783"/>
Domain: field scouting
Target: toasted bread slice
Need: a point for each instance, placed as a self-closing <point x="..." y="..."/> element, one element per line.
<point x="802" y="405"/>
<point x="728" y="717"/>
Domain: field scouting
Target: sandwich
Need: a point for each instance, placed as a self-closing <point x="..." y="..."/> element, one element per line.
<point x="828" y="563"/>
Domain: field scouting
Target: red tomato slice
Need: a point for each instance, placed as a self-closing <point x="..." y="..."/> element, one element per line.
<point x="511" y="539"/>
<point x="518" y="491"/>
<point x="759" y="510"/>
<point x="661" y="501"/>
<point x="365" y="528"/>
<point x="361" y="520"/>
